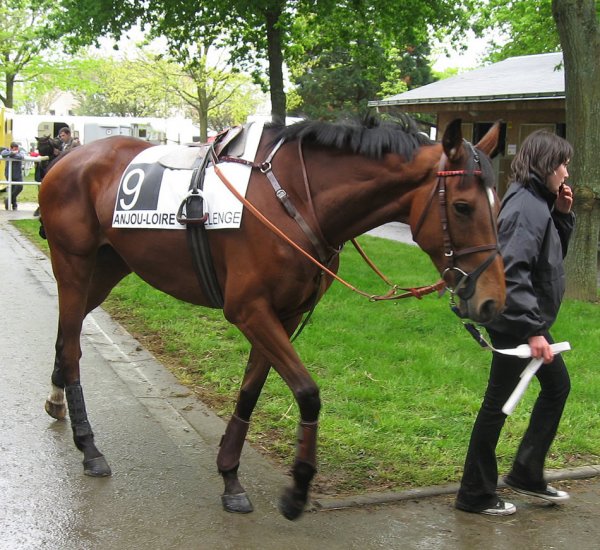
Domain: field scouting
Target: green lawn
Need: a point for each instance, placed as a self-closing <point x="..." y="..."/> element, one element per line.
<point x="401" y="382"/>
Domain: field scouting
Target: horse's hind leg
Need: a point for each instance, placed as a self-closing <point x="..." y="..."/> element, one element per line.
<point x="56" y="405"/>
<point x="108" y="270"/>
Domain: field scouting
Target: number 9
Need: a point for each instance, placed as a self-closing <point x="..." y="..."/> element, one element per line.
<point x="133" y="190"/>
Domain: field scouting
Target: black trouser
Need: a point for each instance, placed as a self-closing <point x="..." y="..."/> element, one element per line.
<point x="15" y="190"/>
<point x="480" y="476"/>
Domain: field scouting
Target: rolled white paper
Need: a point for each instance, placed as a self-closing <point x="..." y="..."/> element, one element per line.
<point x="528" y="372"/>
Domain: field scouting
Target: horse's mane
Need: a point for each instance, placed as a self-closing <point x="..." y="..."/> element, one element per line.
<point x="372" y="137"/>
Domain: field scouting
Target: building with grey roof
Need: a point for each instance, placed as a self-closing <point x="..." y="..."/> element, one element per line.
<point x="527" y="93"/>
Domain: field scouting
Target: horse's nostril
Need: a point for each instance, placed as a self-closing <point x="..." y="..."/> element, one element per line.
<point x="488" y="311"/>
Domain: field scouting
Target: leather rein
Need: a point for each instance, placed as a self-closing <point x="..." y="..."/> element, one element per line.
<point x="464" y="288"/>
<point x="266" y="168"/>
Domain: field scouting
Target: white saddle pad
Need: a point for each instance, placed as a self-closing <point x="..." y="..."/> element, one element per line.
<point x="149" y="194"/>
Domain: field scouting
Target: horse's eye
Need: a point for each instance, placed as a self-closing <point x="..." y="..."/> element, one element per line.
<point x="462" y="208"/>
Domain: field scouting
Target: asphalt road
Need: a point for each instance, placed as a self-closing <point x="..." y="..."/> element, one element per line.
<point x="161" y="443"/>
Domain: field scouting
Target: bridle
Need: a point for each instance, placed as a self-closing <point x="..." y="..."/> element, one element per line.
<point x="465" y="287"/>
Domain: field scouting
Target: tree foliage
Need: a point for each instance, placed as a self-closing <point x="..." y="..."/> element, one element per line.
<point x="25" y="38"/>
<point x="151" y="85"/>
<point x="214" y="96"/>
<point x="262" y="34"/>
<point x="517" y="27"/>
<point x="364" y="49"/>
<point x="116" y="87"/>
<point x="343" y="60"/>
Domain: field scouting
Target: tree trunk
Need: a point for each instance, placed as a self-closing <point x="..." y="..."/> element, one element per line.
<point x="9" y="98"/>
<point x="203" y="104"/>
<point x="579" y="32"/>
<point x="275" y="53"/>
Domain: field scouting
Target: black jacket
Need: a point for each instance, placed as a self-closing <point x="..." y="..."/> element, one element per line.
<point x="533" y="240"/>
<point x="16" y="169"/>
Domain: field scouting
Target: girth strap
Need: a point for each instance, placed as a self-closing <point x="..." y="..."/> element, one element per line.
<point x="191" y="214"/>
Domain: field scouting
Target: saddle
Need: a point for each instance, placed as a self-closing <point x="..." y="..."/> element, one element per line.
<point x="231" y="141"/>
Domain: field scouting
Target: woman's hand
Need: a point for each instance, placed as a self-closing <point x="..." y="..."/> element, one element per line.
<point x="564" y="201"/>
<point x="540" y="348"/>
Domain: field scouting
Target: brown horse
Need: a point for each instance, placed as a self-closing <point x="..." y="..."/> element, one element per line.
<point x="343" y="180"/>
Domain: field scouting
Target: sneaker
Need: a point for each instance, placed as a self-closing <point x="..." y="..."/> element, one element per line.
<point x="501" y="508"/>
<point x="549" y="493"/>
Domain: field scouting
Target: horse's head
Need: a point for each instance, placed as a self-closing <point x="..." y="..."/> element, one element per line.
<point x="47" y="146"/>
<point x="454" y="220"/>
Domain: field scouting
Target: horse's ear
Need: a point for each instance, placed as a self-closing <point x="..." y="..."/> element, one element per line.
<point x="489" y="142"/>
<point x="453" y="140"/>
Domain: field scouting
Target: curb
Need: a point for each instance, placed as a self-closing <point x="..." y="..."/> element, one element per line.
<point x="370" y="499"/>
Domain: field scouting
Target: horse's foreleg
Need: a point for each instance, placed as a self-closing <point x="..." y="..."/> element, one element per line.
<point x="234" y="497"/>
<point x="294" y="498"/>
<point x="269" y="336"/>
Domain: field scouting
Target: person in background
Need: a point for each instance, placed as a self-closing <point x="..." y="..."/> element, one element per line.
<point x="13" y="172"/>
<point x="534" y="227"/>
<point x="68" y="142"/>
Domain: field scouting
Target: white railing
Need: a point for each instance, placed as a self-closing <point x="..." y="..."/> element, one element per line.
<point x="10" y="183"/>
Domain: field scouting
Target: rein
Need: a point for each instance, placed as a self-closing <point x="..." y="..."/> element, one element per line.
<point x="266" y="169"/>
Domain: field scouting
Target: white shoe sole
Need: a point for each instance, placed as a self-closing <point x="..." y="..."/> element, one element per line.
<point x="562" y="497"/>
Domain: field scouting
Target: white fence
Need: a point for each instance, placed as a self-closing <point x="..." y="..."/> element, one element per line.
<point x="26" y="160"/>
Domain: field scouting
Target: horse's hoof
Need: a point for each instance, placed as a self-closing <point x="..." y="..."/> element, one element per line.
<point x="237" y="504"/>
<point x="96" y="467"/>
<point x="290" y="505"/>
<point x="56" y="410"/>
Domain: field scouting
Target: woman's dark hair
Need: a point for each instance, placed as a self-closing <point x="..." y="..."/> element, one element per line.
<point x="540" y="154"/>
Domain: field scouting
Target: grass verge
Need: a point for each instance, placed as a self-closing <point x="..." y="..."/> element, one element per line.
<point x="401" y="382"/>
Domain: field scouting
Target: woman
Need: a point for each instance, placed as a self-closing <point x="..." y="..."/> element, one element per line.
<point x="534" y="227"/>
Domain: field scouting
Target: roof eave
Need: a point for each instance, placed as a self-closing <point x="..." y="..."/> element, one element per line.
<point x="467" y="99"/>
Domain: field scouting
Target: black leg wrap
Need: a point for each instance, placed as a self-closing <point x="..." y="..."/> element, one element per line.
<point x="94" y="463"/>
<point x="77" y="413"/>
<point x="294" y="498"/>
<point x="232" y="443"/>
<point x="234" y="498"/>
